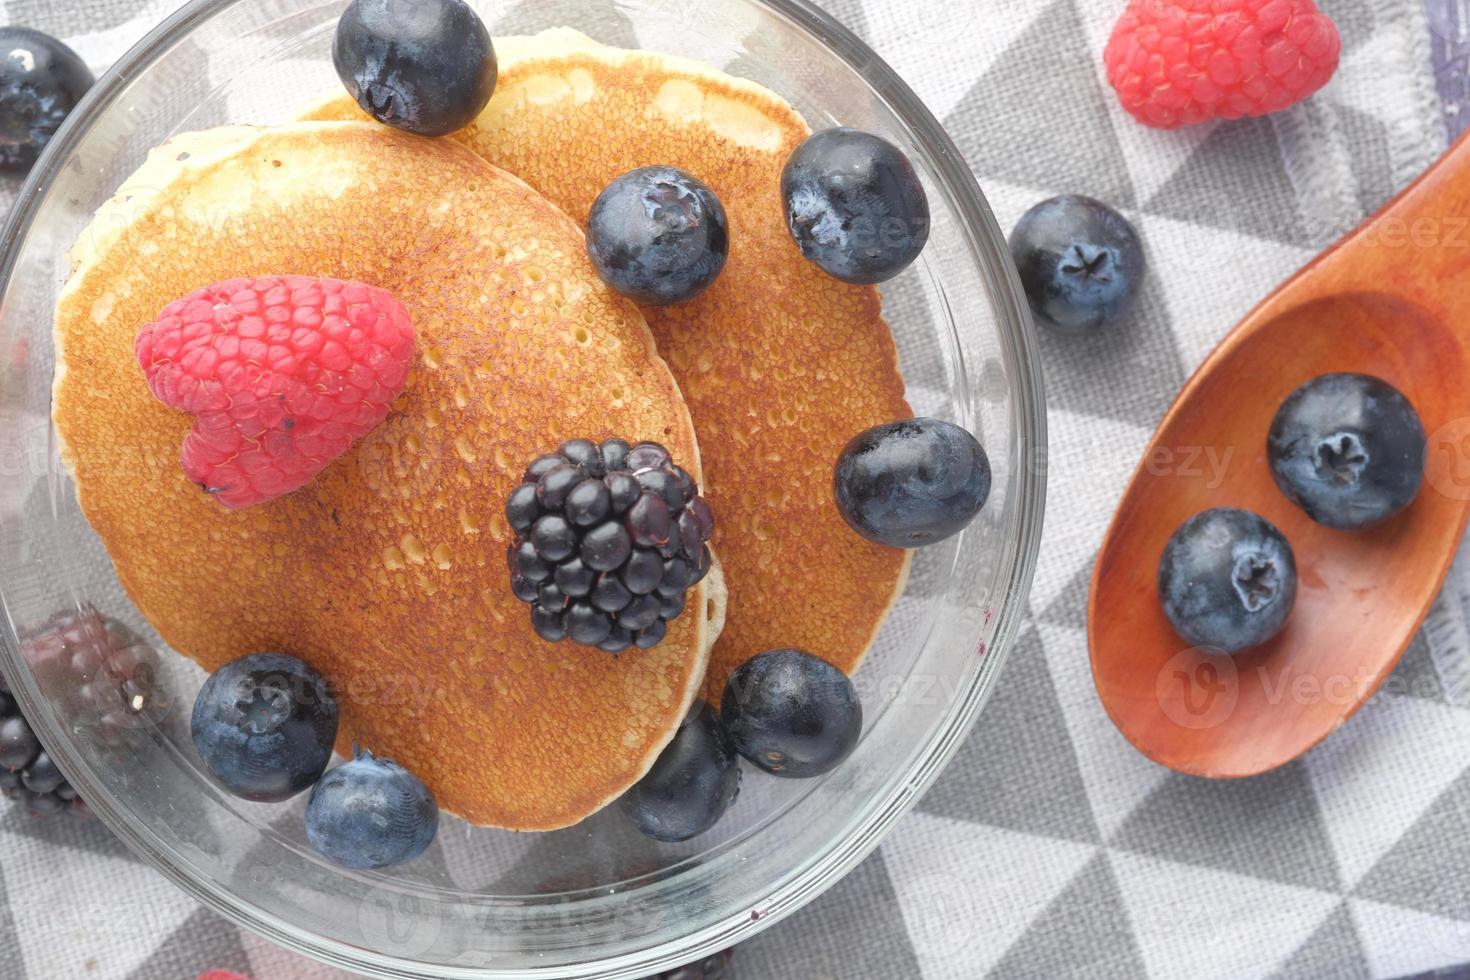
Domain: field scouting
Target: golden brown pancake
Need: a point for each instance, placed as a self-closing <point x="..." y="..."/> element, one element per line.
<point x="388" y="572"/>
<point x="780" y="364"/>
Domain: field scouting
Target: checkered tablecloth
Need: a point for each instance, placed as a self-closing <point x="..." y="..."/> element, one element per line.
<point x="1049" y="848"/>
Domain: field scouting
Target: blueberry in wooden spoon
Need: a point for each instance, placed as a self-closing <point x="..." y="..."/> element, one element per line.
<point x="1227" y="580"/>
<point x="1348" y="449"/>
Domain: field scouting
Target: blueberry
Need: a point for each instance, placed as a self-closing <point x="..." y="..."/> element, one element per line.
<point x="689" y="788"/>
<point x="426" y="66"/>
<point x="42" y="776"/>
<point x="589" y="502"/>
<point x="1227" y="580"/>
<point x="9" y="779"/>
<point x="912" y="483"/>
<point x="1080" y="262"/>
<point x="371" y="813"/>
<point x="855" y="205"/>
<point x="18" y="744"/>
<point x="792" y="714"/>
<point x="658" y="236"/>
<point x="1348" y="449"/>
<point x="264" y="726"/>
<point x="606" y="546"/>
<point x="41" y="82"/>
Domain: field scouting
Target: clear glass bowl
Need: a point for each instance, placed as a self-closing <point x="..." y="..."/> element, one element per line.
<point x="598" y="899"/>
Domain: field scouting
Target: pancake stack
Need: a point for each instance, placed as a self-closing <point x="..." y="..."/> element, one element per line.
<point x="388" y="572"/>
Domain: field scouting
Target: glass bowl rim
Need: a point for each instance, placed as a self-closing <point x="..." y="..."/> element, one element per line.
<point x="878" y="816"/>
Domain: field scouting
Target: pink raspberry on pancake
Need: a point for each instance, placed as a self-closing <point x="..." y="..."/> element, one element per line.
<point x="283" y="374"/>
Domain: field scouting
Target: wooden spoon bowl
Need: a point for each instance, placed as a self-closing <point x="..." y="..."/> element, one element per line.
<point x="1391" y="300"/>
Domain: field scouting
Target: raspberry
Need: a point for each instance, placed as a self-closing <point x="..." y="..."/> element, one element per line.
<point x="609" y="540"/>
<point x="1180" y="62"/>
<point x="282" y="374"/>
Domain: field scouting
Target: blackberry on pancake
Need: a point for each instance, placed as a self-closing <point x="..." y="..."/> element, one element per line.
<point x="609" y="541"/>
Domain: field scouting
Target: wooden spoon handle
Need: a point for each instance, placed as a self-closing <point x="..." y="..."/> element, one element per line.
<point x="1416" y="248"/>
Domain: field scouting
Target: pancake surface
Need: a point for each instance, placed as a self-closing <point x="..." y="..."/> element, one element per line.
<point x="781" y="365"/>
<point x="388" y="572"/>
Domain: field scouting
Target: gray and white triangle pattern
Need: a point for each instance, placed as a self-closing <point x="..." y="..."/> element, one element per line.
<point x="1050" y="848"/>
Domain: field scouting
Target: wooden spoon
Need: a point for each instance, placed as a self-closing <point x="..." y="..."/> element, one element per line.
<point x="1391" y="300"/>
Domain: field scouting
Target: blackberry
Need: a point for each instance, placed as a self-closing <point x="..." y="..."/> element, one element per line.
<point x="27" y="774"/>
<point x="610" y="538"/>
<point x="18" y="744"/>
